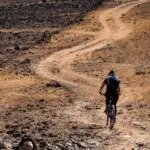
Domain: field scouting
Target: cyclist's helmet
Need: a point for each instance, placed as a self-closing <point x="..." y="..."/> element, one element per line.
<point x="111" y="73"/>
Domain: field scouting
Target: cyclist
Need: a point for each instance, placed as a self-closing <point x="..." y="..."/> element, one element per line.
<point x="112" y="89"/>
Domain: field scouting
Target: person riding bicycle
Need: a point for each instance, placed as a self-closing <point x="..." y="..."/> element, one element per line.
<point x="112" y="83"/>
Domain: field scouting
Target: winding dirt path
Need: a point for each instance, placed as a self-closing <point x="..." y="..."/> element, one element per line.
<point x="58" y="67"/>
<point x="114" y="30"/>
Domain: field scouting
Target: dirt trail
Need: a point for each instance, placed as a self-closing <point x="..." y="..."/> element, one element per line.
<point x="58" y="66"/>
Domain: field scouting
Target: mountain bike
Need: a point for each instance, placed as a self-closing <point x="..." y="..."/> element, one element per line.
<point x="110" y="112"/>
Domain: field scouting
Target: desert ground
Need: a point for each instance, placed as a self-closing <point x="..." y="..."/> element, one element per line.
<point x="75" y="46"/>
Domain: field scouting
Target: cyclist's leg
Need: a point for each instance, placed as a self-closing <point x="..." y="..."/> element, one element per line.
<point x="107" y="102"/>
<point x="115" y="100"/>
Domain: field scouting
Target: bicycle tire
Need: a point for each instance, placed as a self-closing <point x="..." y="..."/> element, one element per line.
<point x="112" y="118"/>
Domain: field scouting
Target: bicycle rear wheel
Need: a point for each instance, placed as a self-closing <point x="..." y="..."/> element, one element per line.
<point x="112" y="118"/>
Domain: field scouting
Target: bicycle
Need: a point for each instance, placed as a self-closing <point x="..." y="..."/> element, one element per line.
<point x="111" y="115"/>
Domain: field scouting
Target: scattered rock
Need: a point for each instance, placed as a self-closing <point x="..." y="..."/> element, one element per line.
<point x="42" y="144"/>
<point x="41" y="100"/>
<point x="53" y="83"/>
<point x="129" y="106"/>
<point x="68" y="144"/>
<point x="44" y="1"/>
<point x="82" y="145"/>
<point x="7" y="146"/>
<point x="8" y="126"/>
<point x="92" y="107"/>
<point x="76" y="147"/>
<point x="23" y="132"/>
<point x="25" y="48"/>
<point x="25" y="61"/>
<point x="17" y="48"/>
<point x="10" y="131"/>
<point x="140" y="73"/>
<point x="1" y="144"/>
<point x="16" y="135"/>
<point x="122" y="15"/>
<point x="140" y="144"/>
<point x="93" y="143"/>
<point x="61" y="146"/>
<point x="51" y="135"/>
<point x="74" y="127"/>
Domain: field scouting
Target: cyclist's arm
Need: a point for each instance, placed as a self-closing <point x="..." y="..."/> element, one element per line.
<point x="102" y="86"/>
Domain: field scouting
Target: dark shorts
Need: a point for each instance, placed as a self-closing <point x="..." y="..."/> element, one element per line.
<point x="113" y="96"/>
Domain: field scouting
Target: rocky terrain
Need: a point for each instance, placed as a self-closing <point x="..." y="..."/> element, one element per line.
<point x="44" y="14"/>
<point x="51" y="69"/>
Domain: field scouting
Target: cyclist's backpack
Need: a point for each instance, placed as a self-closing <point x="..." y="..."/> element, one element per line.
<point x="113" y="83"/>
